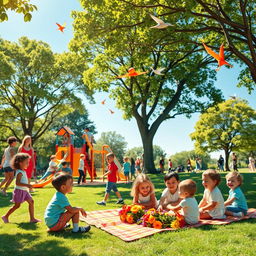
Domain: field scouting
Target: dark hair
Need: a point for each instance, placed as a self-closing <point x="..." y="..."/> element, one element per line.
<point x="171" y="175"/>
<point x="17" y="159"/>
<point x="12" y="139"/>
<point x="132" y="161"/>
<point x="60" y="180"/>
<point x="86" y="128"/>
<point x="64" y="163"/>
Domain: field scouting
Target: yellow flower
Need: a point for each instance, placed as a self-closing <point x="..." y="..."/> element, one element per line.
<point x="175" y="224"/>
<point x="129" y="218"/>
<point x="151" y="219"/>
<point x="157" y="224"/>
<point x="151" y="211"/>
<point x="135" y="209"/>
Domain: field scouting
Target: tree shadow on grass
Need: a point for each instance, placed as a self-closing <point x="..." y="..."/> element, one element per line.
<point x="14" y="245"/>
<point x="27" y="225"/>
<point x="68" y="234"/>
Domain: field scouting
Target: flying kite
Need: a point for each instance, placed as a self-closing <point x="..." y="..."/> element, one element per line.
<point x="160" y="23"/>
<point x="103" y="102"/>
<point x="158" y="71"/>
<point x="112" y="112"/>
<point x="219" y="57"/>
<point x="61" y="27"/>
<point x="132" y="72"/>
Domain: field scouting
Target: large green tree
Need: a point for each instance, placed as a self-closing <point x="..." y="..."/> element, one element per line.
<point x="217" y="21"/>
<point x="116" y="42"/>
<point x="228" y="126"/>
<point x="19" y="6"/>
<point x="37" y="86"/>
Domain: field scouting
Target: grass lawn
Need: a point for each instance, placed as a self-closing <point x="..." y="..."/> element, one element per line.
<point x="22" y="238"/>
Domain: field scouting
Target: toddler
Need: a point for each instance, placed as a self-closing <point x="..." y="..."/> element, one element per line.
<point x="126" y="168"/>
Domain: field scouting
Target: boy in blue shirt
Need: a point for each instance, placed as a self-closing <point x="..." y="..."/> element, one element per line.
<point x="66" y="169"/>
<point x="59" y="211"/>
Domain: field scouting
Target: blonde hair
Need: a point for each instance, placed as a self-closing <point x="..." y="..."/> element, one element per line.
<point x="188" y="186"/>
<point x="126" y="158"/>
<point x="24" y="141"/>
<point x="52" y="157"/>
<point x="140" y="179"/>
<point x="237" y="175"/>
<point x="213" y="175"/>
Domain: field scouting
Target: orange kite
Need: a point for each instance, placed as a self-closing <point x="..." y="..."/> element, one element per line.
<point x="219" y="57"/>
<point x="132" y="72"/>
<point x="103" y="102"/>
<point x="61" y="27"/>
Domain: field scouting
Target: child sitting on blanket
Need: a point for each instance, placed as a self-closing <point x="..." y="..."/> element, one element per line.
<point x="188" y="204"/>
<point x="143" y="192"/>
<point x="212" y="204"/>
<point x="59" y="211"/>
<point x="236" y="204"/>
<point x="170" y="196"/>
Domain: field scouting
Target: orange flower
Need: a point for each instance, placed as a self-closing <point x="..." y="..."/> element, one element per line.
<point x="175" y="224"/>
<point x="151" y="219"/>
<point x="123" y="218"/>
<point x="129" y="218"/>
<point x="157" y="224"/>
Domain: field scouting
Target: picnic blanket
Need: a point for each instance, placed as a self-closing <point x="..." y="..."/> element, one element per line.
<point x="108" y="220"/>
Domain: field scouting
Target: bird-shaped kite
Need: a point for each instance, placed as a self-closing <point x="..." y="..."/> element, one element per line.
<point x="103" y="102"/>
<point x="158" y="71"/>
<point x="61" y="27"/>
<point x="219" y="57"/>
<point x="160" y="23"/>
<point x="132" y="72"/>
<point x="112" y="112"/>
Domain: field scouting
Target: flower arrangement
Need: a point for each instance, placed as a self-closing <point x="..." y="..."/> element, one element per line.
<point x="131" y="213"/>
<point x="157" y="219"/>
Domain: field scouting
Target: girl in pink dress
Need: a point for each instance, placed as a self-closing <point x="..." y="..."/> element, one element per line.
<point x="26" y="147"/>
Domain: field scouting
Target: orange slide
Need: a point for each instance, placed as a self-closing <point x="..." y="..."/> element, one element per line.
<point x="43" y="183"/>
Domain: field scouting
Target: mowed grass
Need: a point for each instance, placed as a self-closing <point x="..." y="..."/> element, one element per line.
<point x="22" y="238"/>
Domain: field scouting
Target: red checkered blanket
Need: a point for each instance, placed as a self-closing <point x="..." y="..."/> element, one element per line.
<point x="109" y="221"/>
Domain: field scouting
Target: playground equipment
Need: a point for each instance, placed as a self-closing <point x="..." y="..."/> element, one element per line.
<point x="67" y="152"/>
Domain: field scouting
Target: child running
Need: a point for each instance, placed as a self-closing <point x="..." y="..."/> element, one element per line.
<point x="59" y="211"/>
<point x="170" y="196"/>
<point x="21" y="194"/>
<point x="212" y="204"/>
<point x="126" y="168"/>
<point x="236" y="204"/>
<point x="143" y="192"/>
<point x="187" y="190"/>
<point x="112" y="179"/>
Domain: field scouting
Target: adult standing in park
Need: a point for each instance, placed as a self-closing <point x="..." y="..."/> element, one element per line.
<point x="234" y="161"/>
<point x="252" y="163"/>
<point x="26" y="147"/>
<point x="9" y="152"/>
<point x="90" y="138"/>
<point x="161" y="165"/>
<point x="221" y="163"/>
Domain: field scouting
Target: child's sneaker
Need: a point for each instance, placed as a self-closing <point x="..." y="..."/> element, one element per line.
<point x="82" y="229"/>
<point x="101" y="203"/>
<point x="120" y="201"/>
<point x="238" y="214"/>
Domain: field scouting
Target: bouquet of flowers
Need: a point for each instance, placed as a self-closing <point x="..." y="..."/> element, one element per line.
<point x="131" y="213"/>
<point x="157" y="219"/>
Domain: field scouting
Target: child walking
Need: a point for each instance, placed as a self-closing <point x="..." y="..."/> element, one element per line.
<point x="187" y="190"/>
<point x="82" y="177"/>
<point x="143" y="192"/>
<point x="21" y="194"/>
<point x="170" y="196"/>
<point x="126" y="168"/>
<point x="112" y="179"/>
<point x="212" y="204"/>
<point x="59" y="211"/>
<point x="236" y="204"/>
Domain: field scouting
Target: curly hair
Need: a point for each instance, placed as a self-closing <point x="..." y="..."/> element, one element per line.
<point x="17" y="159"/>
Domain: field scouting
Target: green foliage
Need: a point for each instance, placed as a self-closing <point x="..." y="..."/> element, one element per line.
<point x="19" y="6"/>
<point x="116" y="142"/>
<point x="37" y="86"/>
<point x="228" y="126"/>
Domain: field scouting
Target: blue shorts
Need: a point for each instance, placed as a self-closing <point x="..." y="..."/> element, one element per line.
<point x="126" y="173"/>
<point x="236" y="209"/>
<point x="111" y="186"/>
<point x="8" y="169"/>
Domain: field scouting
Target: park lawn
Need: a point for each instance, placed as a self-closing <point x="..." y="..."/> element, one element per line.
<point x="21" y="238"/>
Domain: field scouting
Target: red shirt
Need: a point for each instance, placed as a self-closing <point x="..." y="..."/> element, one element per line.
<point x="113" y="172"/>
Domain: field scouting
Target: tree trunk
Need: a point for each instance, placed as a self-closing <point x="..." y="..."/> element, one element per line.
<point x="226" y="160"/>
<point x="148" y="157"/>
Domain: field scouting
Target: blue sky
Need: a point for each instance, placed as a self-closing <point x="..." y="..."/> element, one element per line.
<point x="172" y="136"/>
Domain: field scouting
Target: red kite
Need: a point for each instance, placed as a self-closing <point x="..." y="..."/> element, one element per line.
<point x="219" y="57"/>
<point x="61" y="27"/>
<point x="103" y="102"/>
<point x="132" y="72"/>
